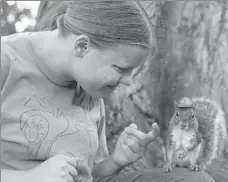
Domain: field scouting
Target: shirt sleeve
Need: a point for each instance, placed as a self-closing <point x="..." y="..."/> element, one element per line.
<point x="102" y="151"/>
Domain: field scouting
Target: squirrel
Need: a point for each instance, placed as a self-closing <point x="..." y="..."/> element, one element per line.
<point x="196" y="134"/>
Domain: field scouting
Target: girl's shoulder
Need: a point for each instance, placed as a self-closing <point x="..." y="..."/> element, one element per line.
<point x="15" y="36"/>
<point x="14" y="43"/>
<point x="12" y="38"/>
<point x="16" y="48"/>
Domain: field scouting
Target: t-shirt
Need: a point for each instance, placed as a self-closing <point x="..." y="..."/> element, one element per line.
<point x="38" y="119"/>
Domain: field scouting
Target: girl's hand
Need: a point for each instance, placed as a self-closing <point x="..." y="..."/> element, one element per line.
<point x="132" y="144"/>
<point x="59" y="168"/>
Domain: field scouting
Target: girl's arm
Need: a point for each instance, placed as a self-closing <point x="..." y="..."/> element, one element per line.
<point x="107" y="167"/>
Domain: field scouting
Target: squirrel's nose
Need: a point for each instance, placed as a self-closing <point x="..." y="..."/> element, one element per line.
<point x="182" y="125"/>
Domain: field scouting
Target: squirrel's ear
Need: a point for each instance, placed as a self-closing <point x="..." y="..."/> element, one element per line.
<point x="193" y="105"/>
<point x="175" y="105"/>
<point x="193" y="115"/>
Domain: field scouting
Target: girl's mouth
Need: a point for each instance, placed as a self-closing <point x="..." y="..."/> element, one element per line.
<point x="111" y="87"/>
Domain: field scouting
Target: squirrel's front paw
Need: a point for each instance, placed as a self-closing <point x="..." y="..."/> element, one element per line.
<point x="194" y="167"/>
<point x="168" y="168"/>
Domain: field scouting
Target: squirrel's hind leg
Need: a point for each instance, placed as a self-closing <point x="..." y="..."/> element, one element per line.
<point x="161" y="165"/>
<point x="195" y="159"/>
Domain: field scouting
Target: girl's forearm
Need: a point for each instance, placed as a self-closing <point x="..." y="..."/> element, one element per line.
<point x="105" y="168"/>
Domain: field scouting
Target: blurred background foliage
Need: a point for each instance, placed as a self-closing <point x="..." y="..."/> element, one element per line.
<point x="191" y="60"/>
<point x="18" y="16"/>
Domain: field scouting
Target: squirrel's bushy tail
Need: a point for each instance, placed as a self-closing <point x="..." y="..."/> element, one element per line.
<point x="212" y="126"/>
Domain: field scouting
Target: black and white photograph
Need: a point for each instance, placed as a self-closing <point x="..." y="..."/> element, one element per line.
<point x="114" y="91"/>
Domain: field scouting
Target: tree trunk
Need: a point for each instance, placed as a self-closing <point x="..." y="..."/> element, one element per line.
<point x="191" y="60"/>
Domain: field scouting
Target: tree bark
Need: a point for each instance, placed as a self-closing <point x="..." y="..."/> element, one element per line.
<point x="191" y="60"/>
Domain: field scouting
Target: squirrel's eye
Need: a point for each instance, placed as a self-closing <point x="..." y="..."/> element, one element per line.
<point x="177" y="114"/>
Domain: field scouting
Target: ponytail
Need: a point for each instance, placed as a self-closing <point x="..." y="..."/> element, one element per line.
<point x="54" y="17"/>
<point x="104" y="22"/>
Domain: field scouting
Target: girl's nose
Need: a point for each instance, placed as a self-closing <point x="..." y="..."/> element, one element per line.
<point x="126" y="80"/>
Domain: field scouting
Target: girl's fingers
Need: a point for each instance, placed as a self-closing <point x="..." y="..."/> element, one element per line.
<point x="70" y="179"/>
<point x="133" y="126"/>
<point x="152" y="135"/>
<point x="72" y="171"/>
<point x="83" y="170"/>
<point x="135" y="146"/>
<point x="132" y="131"/>
<point x="129" y="151"/>
<point x="73" y="161"/>
<point x="144" y="139"/>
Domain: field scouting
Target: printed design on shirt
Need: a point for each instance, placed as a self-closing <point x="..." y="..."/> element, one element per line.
<point x="49" y="130"/>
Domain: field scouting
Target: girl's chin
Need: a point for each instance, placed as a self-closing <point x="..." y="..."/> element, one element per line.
<point x="110" y="89"/>
<point x="105" y="92"/>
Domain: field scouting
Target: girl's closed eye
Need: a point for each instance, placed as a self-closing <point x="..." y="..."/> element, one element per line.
<point x="121" y="70"/>
<point x="118" y="69"/>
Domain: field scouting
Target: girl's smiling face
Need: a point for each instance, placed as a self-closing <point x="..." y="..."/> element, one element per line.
<point x="99" y="72"/>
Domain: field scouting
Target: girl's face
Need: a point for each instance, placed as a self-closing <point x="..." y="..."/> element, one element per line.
<point x="99" y="72"/>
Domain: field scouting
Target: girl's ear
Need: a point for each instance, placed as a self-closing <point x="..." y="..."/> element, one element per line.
<point x="81" y="46"/>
